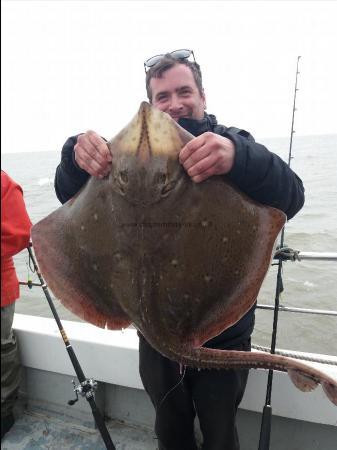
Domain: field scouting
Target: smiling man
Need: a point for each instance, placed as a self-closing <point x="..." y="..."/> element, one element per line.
<point x="178" y="91"/>
<point x="175" y="92"/>
<point x="174" y="85"/>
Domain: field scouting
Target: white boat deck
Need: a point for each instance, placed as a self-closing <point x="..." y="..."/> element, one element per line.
<point x="46" y="421"/>
<point x="38" y="431"/>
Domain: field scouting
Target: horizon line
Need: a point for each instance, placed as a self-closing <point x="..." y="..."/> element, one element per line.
<point x="259" y="139"/>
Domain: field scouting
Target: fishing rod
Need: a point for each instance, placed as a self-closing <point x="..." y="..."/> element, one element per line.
<point x="264" y="441"/>
<point x="87" y="386"/>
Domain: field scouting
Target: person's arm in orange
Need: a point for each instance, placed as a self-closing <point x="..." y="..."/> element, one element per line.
<point x="15" y="222"/>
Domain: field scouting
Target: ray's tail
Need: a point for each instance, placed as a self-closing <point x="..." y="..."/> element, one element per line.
<point x="304" y="377"/>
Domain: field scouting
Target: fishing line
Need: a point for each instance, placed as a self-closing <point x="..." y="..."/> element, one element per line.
<point x="264" y="441"/>
<point x="173" y="388"/>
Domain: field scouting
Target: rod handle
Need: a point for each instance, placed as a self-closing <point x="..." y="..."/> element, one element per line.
<point x="101" y="425"/>
<point x="264" y="441"/>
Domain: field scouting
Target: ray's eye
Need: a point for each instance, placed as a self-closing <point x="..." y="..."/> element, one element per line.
<point x="167" y="188"/>
<point x="123" y="177"/>
<point x="161" y="178"/>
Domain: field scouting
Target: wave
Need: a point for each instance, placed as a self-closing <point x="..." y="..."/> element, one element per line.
<point x="45" y="181"/>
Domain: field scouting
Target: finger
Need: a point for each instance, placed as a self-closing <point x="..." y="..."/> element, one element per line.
<point x="94" y="146"/>
<point x="107" y="171"/>
<point x="203" y="165"/>
<point x="191" y="147"/>
<point x="87" y="152"/>
<point x="100" y="144"/>
<point x="201" y="176"/>
<point x="90" y="165"/>
<point x="85" y="149"/>
<point x="196" y="156"/>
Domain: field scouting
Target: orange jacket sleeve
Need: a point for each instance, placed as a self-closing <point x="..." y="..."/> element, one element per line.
<point x="15" y="222"/>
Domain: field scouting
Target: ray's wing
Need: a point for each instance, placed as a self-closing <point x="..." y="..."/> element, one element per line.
<point x="74" y="247"/>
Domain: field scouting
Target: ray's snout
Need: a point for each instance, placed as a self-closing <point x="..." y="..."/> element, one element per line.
<point x="145" y="165"/>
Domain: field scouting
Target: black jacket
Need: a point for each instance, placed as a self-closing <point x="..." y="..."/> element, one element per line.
<point x="262" y="175"/>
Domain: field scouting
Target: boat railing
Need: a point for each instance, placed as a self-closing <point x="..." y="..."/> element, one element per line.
<point x="288" y="254"/>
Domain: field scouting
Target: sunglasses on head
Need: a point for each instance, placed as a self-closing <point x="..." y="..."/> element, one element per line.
<point x="177" y="54"/>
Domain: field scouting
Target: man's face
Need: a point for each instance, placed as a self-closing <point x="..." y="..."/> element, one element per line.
<point x="177" y="94"/>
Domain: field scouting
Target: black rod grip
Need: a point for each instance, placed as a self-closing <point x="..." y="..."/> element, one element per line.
<point x="264" y="441"/>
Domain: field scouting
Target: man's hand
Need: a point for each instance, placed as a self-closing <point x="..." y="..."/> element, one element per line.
<point x="92" y="154"/>
<point x="206" y="155"/>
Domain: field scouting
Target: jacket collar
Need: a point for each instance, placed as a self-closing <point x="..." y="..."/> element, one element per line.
<point x="197" y="127"/>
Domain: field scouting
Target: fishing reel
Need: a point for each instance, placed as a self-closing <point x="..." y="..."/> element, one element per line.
<point x="85" y="389"/>
<point x="286" y="253"/>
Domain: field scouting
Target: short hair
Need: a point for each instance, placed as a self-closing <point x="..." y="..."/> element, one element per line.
<point x="166" y="63"/>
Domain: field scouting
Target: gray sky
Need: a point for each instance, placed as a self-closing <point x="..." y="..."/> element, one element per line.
<point x="69" y="66"/>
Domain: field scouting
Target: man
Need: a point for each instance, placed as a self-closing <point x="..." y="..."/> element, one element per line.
<point x="174" y="85"/>
<point x="15" y="234"/>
